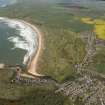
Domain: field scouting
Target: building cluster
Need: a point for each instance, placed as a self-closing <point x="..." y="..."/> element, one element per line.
<point x="90" y="91"/>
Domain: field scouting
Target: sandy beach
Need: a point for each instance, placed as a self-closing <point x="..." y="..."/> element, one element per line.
<point x="32" y="65"/>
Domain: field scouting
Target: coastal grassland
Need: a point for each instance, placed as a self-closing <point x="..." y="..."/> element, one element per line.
<point x="62" y="54"/>
<point x="40" y="98"/>
<point x="23" y="94"/>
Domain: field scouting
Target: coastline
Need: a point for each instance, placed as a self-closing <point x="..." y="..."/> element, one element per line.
<point x="32" y="64"/>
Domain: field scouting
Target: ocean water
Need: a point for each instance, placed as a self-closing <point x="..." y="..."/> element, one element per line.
<point x="18" y="42"/>
<point x="4" y="3"/>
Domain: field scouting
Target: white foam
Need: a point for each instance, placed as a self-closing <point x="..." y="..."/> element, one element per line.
<point x="27" y="39"/>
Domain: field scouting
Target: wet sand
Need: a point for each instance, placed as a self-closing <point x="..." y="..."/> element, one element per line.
<point x="32" y="65"/>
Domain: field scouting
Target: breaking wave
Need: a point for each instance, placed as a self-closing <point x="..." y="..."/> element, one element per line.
<point x="26" y="40"/>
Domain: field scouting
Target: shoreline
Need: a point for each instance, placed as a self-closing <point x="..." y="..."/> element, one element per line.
<point x="32" y="64"/>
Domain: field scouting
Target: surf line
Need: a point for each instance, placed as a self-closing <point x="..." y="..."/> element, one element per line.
<point x="32" y="63"/>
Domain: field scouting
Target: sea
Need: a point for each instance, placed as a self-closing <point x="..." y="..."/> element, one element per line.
<point x="18" y="42"/>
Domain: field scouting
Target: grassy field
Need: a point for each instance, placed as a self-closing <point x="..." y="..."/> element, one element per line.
<point x="38" y="97"/>
<point x="23" y="94"/>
